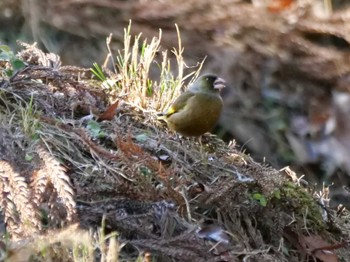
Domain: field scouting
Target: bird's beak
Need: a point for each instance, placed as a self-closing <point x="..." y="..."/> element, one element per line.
<point x="219" y="83"/>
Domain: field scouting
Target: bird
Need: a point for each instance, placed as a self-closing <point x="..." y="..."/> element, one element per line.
<point x="196" y="110"/>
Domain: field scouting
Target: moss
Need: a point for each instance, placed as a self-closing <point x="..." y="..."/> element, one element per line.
<point x="300" y="201"/>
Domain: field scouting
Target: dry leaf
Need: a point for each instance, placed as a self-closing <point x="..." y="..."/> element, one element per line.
<point x="276" y="6"/>
<point x="319" y="248"/>
<point x="109" y="113"/>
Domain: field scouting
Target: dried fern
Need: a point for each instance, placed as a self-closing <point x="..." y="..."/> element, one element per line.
<point x="52" y="173"/>
<point x="20" y="215"/>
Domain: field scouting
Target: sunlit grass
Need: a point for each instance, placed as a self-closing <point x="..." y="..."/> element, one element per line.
<point x="132" y="72"/>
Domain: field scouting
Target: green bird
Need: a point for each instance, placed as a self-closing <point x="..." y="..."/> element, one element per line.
<point x="197" y="110"/>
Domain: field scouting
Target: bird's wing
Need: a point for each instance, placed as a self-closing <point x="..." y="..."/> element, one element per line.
<point x="179" y="103"/>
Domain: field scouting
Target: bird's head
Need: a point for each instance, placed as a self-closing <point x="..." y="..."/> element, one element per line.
<point x="208" y="83"/>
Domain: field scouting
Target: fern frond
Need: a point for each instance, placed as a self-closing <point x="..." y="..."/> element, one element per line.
<point x="55" y="174"/>
<point x="17" y="205"/>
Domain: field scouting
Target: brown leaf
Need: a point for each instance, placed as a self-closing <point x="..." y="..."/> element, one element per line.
<point x="276" y="6"/>
<point x="326" y="256"/>
<point x="109" y="113"/>
<point x="319" y="248"/>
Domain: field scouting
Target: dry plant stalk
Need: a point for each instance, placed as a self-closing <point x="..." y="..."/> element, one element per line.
<point x="65" y="245"/>
<point x="134" y="64"/>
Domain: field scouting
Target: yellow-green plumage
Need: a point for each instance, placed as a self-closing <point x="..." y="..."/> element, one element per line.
<point x="197" y="110"/>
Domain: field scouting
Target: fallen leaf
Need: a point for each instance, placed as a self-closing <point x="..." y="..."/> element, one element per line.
<point x="109" y="113"/>
<point x="276" y="6"/>
<point x="319" y="248"/>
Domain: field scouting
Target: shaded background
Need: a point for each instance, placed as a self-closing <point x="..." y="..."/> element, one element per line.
<point x="286" y="62"/>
